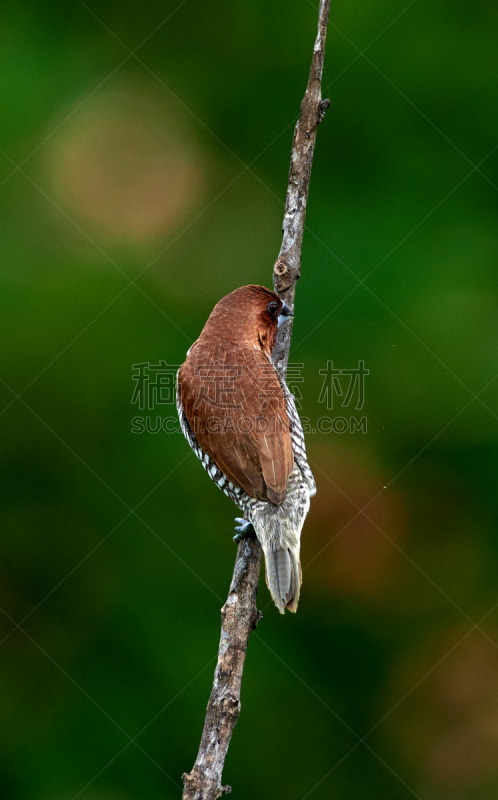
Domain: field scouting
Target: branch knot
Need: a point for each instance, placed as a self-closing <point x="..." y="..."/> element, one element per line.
<point x="282" y="279"/>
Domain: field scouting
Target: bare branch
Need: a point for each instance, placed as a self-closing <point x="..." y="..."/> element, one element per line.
<point x="287" y="267"/>
<point x="239" y="615"/>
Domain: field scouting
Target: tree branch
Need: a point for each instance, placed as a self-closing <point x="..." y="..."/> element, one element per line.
<point x="239" y="615"/>
<point x="287" y="269"/>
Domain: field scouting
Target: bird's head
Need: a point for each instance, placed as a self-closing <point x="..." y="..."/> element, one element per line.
<point x="248" y="316"/>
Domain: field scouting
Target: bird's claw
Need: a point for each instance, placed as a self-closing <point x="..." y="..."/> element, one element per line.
<point x="243" y="529"/>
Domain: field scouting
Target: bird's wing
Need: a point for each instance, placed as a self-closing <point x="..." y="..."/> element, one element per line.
<point x="236" y="410"/>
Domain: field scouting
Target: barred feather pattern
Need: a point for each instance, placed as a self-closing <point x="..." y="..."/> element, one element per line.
<point x="297" y="437"/>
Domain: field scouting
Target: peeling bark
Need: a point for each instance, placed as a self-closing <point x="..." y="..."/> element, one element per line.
<point x="239" y="615"/>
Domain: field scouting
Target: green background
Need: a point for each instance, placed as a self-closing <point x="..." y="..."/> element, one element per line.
<point x="136" y="189"/>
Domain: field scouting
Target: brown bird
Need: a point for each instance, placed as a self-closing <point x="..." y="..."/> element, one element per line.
<point x="241" y="421"/>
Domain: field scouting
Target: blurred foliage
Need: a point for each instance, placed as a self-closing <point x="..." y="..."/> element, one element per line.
<point x="135" y="191"/>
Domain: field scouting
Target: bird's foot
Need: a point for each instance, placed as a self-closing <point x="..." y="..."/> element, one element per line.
<point x="243" y="529"/>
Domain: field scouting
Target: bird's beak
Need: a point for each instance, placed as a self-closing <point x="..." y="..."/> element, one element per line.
<point x="285" y="312"/>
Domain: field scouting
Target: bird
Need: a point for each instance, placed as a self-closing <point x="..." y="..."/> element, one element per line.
<point x="241" y="421"/>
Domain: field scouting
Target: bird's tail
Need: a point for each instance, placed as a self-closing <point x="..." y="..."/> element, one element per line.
<point x="283" y="577"/>
<point x="278" y="528"/>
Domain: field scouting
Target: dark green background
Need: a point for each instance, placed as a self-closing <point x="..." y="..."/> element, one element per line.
<point x="124" y="164"/>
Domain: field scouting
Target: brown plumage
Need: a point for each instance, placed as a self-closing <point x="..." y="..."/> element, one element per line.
<point x="241" y="422"/>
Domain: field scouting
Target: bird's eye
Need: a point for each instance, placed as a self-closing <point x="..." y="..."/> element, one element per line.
<point x="272" y="308"/>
